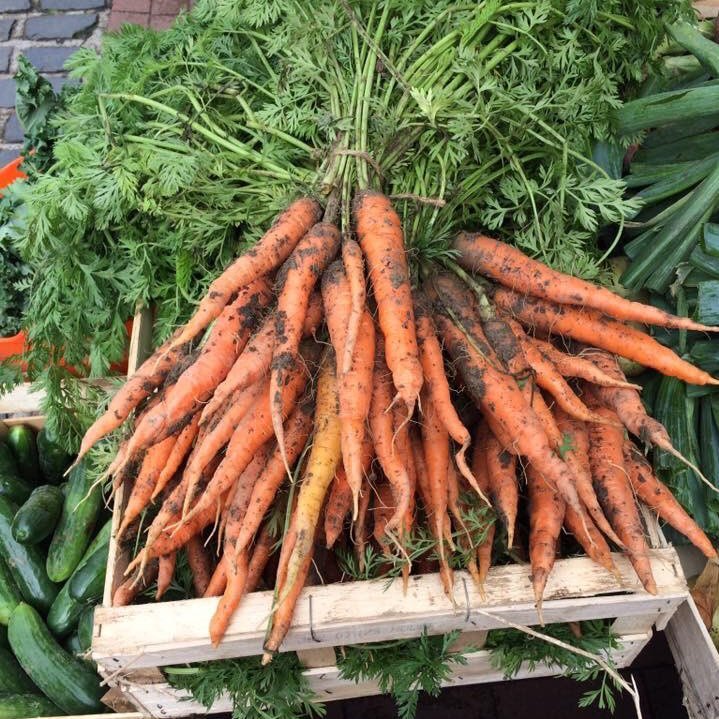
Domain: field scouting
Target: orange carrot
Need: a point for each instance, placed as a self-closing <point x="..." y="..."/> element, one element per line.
<point x="380" y="236"/>
<point x="130" y="588"/>
<point x="435" y="445"/>
<point x="546" y="512"/>
<point x="165" y="574"/>
<point x="261" y="552"/>
<point x="230" y="600"/>
<point x="218" y="581"/>
<point x="435" y="381"/>
<point x="575" y="452"/>
<point x="586" y="325"/>
<point x="142" y="490"/>
<point x="657" y="497"/>
<point x="615" y="494"/>
<point x="339" y="503"/>
<point x="354" y="270"/>
<point x="177" y="456"/>
<point x="512" y="268"/>
<point x="384" y="508"/>
<point x="382" y="430"/>
<point x="503" y="485"/>
<point x="269" y="252"/>
<point x="404" y="454"/>
<point x="297" y="278"/>
<point x="199" y="565"/>
<point x="355" y="385"/>
<point x="299" y="426"/>
<point x="142" y="384"/>
<point x="550" y="379"/>
<point x="197" y="383"/>
<point x="219" y="435"/>
<point x="499" y="397"/>
<point x="254" y="361"/>
<point x="575" y="366"/>
<point x="481" y="472"/>
<point x="360" y="530"/>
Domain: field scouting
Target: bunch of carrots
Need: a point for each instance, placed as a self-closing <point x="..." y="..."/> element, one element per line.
<point x="297" y="372"/>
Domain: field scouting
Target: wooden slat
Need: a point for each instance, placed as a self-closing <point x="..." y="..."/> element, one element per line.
<point x="360" y="612"/>
<point x="697" y="661"/>
<point x="161" y="700"/>
<point x="22" y="400"/>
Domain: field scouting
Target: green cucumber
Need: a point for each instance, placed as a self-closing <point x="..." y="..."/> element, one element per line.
<point x="10" y="595"/>
<point x="36" y="519"/>
<point x="703" y="49"/>
<point x="64" y="679"/>
<point x="87" y="583"/>
<point x="22" y="442"/>
<point x="84" y="628"/>
<point x="707" y="310"/>
<point x="8" y="465"/>
<point x="74" y="531"/>
<point x="13" y="679"/>
<point x="26" y="563"/>
<point x="73" y="646"/>
<point x="709" y="441"/>
<point x="65" y="611"/>
<point x="12" y="485"/>
<point x="54" y="460"/>
<point x="3" y="637"/>
<point x="21" y="706"/>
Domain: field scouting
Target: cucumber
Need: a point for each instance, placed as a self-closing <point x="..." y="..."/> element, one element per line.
<point x="73" y="646"/>
<point x="87" y="583"/>
<point x="10" y="595"/>
<point x="3" y="637"/>
<point x="25" y="563"/>
<point x="12" y="485"/>
<point x="54" y="460"/>
<point x="20" y="706"/>
<point x="8" y="465"/>
<point x="65" y="611"/>
<point x="84" y="628"/>
<point x="13" y="679"/>
<point x="65" y="680"/>
<point x="21" y="440"/>
<point x="74" y="531"/>
<point x="36" y="519"/>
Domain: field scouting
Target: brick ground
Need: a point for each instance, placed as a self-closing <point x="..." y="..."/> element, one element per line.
<point x="49" y="31"/>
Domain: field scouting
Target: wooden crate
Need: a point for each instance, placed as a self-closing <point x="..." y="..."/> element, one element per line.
<point x="132" y="644"/>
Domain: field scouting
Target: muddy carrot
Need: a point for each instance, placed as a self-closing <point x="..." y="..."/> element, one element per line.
<point x="503" y="485"/>
<point x="166" y="572"/>
<point x="354" y="270"/>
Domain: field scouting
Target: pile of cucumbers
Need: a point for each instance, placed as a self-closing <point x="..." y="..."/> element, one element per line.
<point x="54" y="540"/>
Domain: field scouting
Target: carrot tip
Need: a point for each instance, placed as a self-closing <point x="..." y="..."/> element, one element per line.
<point x="267" y="658"/>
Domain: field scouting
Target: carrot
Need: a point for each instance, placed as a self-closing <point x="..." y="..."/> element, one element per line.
<point x="590" y="540"/>
<point x="481" y="472"/>
<point x="339" y="503"/>
<point x="615" y="494"/>
<point x="142" y="491"/>
<point x="218" y="580"/>
<point x="297" y="430"/>
<point x="359" y="528"/>
<point x="550" y="379"/>
<point x="269" y="252"/>
<point x="587" y="325"/>
<point x="404" y="454"/>
<point x="499" y="397"/>
<point x="142" y="384"/>
<point x="297" y="278"/>
<point x="354" y="270"/>
<point x="234" y="591"/>
<point x="630" y="409"/>
<point x="130" y="588"/>
<point x="512" y="268"/>
<point x="547" y="421"/>
<point x="657" y="497"/>
<point x="384" y="508"/>
<point x="380" y="236"/>
<point x="197" y="383"/>
<point x="575" y="366"/>
<point x="254" y="361"/>
<point x="177" y="456"/>
<point x="435" y="445"/>
<point x="322" y="464"/>
<point x="546" y="512"/>
<point x="453" y="501"/>
<point x="262" y="550"/>
<point x="382" y="430"/>
<point x="435" y="381"/>
<point x="503" y="485"/>
<point x="355" y="385"/>
<point x="575" y="452"/>
<point x="166" y="571"/>
<point x="219" y="435"/>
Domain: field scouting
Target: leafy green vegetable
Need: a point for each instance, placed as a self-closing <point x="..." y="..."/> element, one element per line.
<point x="277" y="691"/>
<point x="512" y="648"/>
<point x="404" y="668"/>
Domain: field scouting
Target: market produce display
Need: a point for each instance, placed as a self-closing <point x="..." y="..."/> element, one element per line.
<point x="44" y="669"/>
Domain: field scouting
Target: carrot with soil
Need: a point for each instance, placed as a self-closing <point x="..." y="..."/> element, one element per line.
<point x="354" y="270"/>
<point x="380" y="236"/>
<point x="511" y="267"/>
<point x="269" y="252"/>
<point x="503" y="484"/>
<point x="297" y="278"/>
<point x="177" y="456"/>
